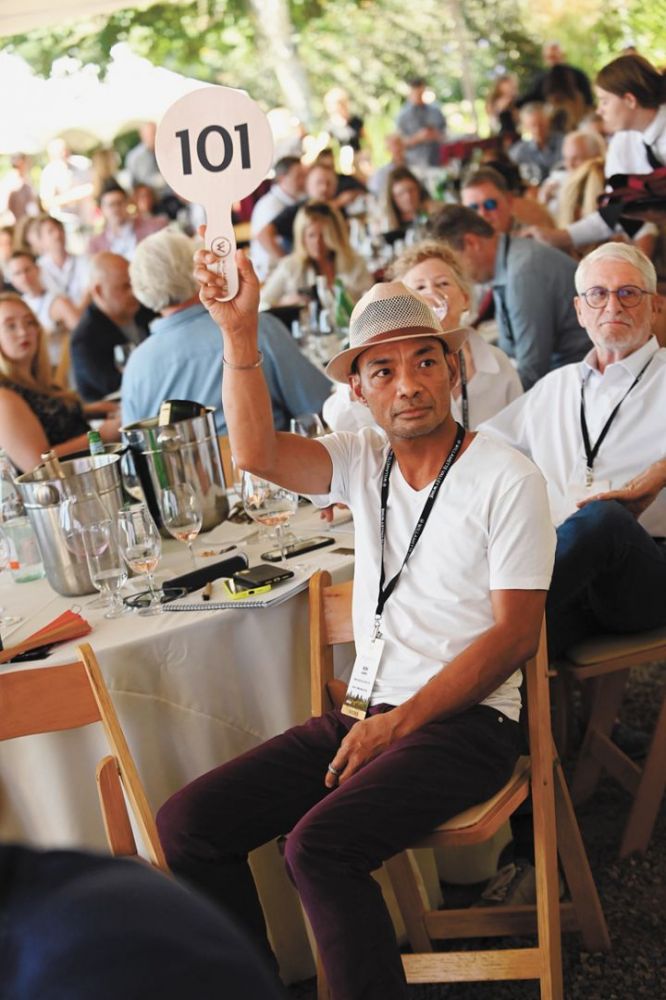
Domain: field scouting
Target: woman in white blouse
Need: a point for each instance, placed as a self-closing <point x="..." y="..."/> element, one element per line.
<point x="321" y="248"/>
<point x="488" y="381"/>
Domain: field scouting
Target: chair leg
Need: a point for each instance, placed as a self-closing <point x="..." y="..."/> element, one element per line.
<point x="563" y="714"/>
<point x="576" y="867"/>
<point x="412" y="898"/>
<point x="607" y="695"/>
<point x="644" y="809"/>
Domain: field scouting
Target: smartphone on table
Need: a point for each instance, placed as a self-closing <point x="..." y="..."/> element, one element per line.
<point x="299" y="548"/>
<point x="259" y="576"/>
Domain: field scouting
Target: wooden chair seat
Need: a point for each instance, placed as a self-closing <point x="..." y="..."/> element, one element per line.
<point x="53" y="699"/>
<point x="556" y="832"/>
<point x="602" y="665"/>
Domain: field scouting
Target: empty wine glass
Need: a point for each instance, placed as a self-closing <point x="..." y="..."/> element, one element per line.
<point x="141" y="548"/>
<point x="107" y="568"/>
<point x="182" y="515"/>
<point x="308" y="425"/>
<point x="269" y="504"/>
<point x="80" y="518"/>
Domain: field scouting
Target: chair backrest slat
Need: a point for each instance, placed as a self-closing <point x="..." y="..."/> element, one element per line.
<point x="46" y="700"/>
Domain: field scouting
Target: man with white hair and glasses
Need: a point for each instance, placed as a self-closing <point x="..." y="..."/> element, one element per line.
<point x="597" y="431"/>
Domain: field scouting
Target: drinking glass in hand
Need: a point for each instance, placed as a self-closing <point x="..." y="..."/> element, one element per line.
<point x="268" y="504"/>
<point x="107" y="568"/>
<point x="182" y="515"/>
<point x="141" y="547"/>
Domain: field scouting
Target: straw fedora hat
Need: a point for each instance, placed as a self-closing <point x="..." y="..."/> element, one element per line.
<point x="389" y="311"/>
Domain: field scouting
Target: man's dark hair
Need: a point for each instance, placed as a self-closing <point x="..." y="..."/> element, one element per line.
<point x="486" y="175"/>
<point x="111" y="186"/>
<point x="453" y="223"/>
<point x="416" y="81"/>
<point x="284" y="165"/>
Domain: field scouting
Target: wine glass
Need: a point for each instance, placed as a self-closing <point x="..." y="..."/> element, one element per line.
<point x="141" y="548"/>
<point x="268" y="504"/>
<point x="107" y="568"/>
<point x="182" y="515"/>
<point x="308" y="425"/>
<point x="80" y="518"/>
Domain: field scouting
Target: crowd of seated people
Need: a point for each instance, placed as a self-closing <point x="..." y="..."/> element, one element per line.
<point x="569" y="337"/>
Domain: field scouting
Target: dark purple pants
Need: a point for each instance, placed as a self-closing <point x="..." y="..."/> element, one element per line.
<point x="337" y="837"/>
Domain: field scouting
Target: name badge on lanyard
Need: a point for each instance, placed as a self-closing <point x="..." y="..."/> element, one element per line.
<point x="362" y="680"/>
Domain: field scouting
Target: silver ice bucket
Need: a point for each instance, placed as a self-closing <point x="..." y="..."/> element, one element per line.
<point x="42" y="497"/>
<point x="184" y="452"/>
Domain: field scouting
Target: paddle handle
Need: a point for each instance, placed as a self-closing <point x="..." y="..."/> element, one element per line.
<point x="221" y="240"/>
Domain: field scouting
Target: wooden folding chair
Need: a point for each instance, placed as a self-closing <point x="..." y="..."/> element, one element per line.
<point x="602" y="665"/>
<point x="540" y="775"/>
<point x="50" y="699"/>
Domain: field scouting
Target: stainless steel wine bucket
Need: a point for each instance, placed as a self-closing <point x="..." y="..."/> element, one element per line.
<point x="42" y="497"/>
<point x="184" y="452"/>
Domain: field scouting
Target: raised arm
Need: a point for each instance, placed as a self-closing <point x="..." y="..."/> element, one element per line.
<point x="298" y="463"/>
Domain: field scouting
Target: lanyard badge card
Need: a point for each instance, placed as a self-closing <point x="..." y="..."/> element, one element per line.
<point x="362" y="680"/>
<point x="215" y="146"/>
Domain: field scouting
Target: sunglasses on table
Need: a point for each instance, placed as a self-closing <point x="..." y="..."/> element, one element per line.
<point x="489" y="205"/>
<point x="628" y="296"/>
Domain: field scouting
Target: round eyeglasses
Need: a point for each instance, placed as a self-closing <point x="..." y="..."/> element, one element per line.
<point x="628" y="296"/>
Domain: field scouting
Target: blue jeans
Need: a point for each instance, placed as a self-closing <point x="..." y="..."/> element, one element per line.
<point x="609" y="576"/>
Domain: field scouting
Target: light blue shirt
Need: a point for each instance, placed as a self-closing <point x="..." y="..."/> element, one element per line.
<point x="182" y="359"/>
<point x="534" y="291"/>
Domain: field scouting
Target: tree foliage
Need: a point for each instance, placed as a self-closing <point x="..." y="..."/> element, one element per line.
<point x="369" y="47"/>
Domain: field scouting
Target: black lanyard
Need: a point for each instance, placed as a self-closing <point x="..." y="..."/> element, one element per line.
<point x="463" y="390"/>
<point x="591" y="451"/>
<point x="386" y="591"/>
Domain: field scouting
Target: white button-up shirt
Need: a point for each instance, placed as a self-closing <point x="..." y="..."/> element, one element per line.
<point x="545" y="425"/>
<point x="72" y="279"/>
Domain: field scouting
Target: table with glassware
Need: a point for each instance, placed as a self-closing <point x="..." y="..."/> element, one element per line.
<point x="192" y="690"/>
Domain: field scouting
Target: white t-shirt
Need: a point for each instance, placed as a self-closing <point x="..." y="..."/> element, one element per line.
<point x="265" y="210"/>
<point x="494" y="384"/>
<point x="488" y="530"/>
<point x="545" y="425"/>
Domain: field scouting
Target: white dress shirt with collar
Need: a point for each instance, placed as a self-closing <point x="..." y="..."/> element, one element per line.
<point x="545" y="425"/>
<point x="626" y="155"/>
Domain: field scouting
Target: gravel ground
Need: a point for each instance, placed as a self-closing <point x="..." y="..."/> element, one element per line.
<point x="632" y="892"/>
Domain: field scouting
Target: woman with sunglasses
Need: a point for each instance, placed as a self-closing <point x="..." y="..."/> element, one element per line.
<point x="631" y="96"/>
<point x="321" y="248"/>
<point x="488" y="381"/>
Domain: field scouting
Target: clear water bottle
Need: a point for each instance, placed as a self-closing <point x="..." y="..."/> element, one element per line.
<point x="25" y="562"/>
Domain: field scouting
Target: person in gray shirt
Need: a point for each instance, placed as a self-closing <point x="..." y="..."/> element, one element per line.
<point x="533" y="291"/>
<point x="422" y="127"/>
<point x="182" y="357"/>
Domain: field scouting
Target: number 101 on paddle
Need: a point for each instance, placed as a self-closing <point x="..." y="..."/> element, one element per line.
<point x="215" y="146"/>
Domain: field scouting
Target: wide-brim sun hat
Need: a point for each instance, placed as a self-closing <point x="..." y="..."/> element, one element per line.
<point x="388" y="312"/>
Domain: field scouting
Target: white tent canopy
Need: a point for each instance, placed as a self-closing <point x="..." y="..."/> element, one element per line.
<point x="19" y="16"/>
<point x="75" y="99"/>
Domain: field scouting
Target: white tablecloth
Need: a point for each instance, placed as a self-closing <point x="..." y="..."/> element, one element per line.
<point x="192" y="690"/>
